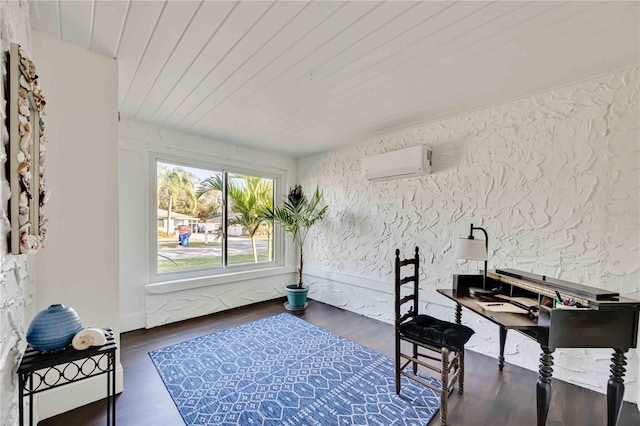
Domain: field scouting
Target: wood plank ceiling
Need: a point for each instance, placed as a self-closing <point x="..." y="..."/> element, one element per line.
<point x="300" y="78"/>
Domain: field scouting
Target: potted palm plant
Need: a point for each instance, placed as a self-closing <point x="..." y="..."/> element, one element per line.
<point x="296" y="215"/>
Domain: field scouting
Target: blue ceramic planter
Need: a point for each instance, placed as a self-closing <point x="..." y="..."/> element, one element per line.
<point x="53" y="329"/>
<point x="297" y="297"/>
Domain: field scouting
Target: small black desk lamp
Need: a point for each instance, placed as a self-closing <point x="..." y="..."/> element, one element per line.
<point x="471" y="249"/>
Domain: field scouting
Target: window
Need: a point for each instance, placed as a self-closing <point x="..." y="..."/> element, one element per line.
<point x="210" y="218"/>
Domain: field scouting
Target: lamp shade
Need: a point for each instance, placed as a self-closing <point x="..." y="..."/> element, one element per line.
<point x="471" y="249"/>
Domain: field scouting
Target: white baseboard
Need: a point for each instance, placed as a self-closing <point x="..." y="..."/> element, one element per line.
<point x="74" y="395"/>
<point x="130" y="322"/>
<point x="365" y="283"/>
<point x="364" y="296"/>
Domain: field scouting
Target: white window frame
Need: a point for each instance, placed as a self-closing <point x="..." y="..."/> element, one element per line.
<point x="215" y="165"/>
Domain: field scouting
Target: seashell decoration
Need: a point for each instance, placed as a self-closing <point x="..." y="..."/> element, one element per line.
<point x="81" y="341"/>
<point x="27" y="148"/>
<point x="88" y="337"/>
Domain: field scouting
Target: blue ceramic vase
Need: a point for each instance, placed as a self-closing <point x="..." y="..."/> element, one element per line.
<point x="53" y="329"/>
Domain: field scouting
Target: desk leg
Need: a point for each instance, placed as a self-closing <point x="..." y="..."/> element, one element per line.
<point x="458" y="313"/>
<point x="503" y="340"/>
<point x="615" y="386"/>
<point x="543" y="387"/>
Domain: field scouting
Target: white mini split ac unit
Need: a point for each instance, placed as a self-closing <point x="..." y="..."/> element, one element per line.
<point x="403" y="163"/>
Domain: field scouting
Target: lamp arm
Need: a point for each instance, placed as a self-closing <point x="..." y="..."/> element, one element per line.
<point x="486" y="243"/>
<point x="486" y="236"/>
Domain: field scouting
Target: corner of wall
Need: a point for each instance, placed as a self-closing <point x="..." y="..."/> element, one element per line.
<point x="79" y="110"/>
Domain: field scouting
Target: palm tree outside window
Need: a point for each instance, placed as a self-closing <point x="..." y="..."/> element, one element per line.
<point x="218" y="212"/>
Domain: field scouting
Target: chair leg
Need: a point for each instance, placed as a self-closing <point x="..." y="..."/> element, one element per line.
<point x="445" y="386"/>
<point x="461" y="367"/>
<point x="397" y="364"/>
<point x="415" y="356"/>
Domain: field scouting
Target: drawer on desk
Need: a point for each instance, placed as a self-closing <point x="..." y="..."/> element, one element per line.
<point x="589" y="328"/>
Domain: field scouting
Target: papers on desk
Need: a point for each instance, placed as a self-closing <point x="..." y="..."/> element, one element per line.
<point x="524" y="301"/>
<point x="502" y="307"/>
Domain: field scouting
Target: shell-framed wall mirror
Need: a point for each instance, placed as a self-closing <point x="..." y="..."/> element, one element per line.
<point x="25" y="165"/>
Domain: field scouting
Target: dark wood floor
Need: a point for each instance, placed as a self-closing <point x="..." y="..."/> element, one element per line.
<point x="490" y="398"/>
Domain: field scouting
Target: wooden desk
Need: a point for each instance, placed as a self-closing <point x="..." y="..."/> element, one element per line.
<point x="504" y="320"/>
<point x="605" y="327"/>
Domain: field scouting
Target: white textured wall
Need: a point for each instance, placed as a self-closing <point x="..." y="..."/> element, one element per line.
<point x="555" y="180"/>
<point x="16" y="282"/>
<point x="165" y="307"/>
<point x="148" y="304"/>
<point x="79" y="267"/>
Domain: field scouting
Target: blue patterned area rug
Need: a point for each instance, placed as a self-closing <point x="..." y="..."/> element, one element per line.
<point x="285" y="371"/>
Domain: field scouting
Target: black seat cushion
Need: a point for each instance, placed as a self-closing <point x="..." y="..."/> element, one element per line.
<point x="434" y="332"/>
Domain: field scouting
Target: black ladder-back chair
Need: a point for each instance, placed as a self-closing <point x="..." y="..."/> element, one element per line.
<point x="429" y="333"/>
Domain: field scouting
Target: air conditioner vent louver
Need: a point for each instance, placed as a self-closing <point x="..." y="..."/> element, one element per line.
<point x="403" y="163"/>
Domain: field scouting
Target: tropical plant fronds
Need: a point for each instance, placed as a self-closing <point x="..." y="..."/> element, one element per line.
<point x="296" y="215"/>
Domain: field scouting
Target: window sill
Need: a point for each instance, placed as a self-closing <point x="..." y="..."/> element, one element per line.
<point x="171" y="286"/>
